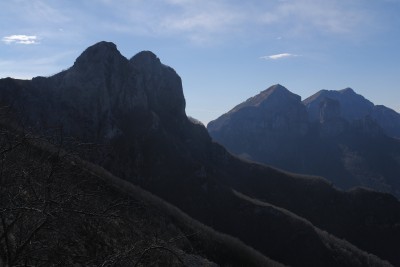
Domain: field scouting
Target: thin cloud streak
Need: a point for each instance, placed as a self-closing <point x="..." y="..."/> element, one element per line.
<point x="278" y="56"/>
<point x="20" y="39"/>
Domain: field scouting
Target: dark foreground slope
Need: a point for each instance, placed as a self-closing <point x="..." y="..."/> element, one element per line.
<point x="332" y="134"/>
<point x="58" y="210"/>
<point x="135" y="110"/>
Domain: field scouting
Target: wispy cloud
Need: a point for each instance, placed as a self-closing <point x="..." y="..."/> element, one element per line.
<point x="20" y="39"/>
<point x="278" y="56"/>
<point x="31" y="21"/>
<point x="336" y="16"/>
<point x="38" y="12"/>
<point x="194" y="20"/>
<point x="215" y="16"/>
<point x="199" y="20"/>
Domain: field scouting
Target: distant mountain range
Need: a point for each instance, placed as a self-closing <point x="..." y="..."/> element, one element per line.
<point x="339" y="135"/>
<point x="132" y="113"/>
<point x="355" y="107"/>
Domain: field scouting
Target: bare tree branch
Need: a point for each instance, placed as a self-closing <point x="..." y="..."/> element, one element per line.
<point x="149" y="249"/>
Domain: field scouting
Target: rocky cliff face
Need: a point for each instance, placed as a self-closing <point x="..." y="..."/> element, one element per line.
<point x="331" y="122"/>
<point x="132" y="106"/>
<point x="355" y="107"/>
<point x="261" y="123"/>
<point x="341" y="140"/>
<point x="388" y="119"/>
<point x="134" y="109"/>
<point x="329" y="110"/>
<point x="276" y="109"/>
<point x="101" y="88"/>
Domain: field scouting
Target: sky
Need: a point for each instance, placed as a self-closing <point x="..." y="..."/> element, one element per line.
<point x="224" y="50"/>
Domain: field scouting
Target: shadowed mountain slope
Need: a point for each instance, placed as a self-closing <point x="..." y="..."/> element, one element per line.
<point x="60" y="210"/>
<point x="355" y="107"/>
<point x="135" y="109"/>
<point x="327" y="136"/>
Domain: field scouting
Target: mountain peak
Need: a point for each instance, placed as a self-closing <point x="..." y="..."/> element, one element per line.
<point x="103" y="84"/>
<point x="100" y="48"/>
<point x="145" y="60"/>
<point x="347" y="90"/>
<point x="103" y="45"/>
<point x="275" y="108"/>
<point x="99" y="52"/>
<point x="276" y="91"/>
<point x="353" y="106"/>
<point x="277" y="87"/>
<point x="275" y="94"/>
<point x="146" y="56"/>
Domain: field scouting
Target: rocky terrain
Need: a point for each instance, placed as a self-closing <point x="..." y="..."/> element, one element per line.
<point x="133" y="113"/>
<point x="355" y="107"/>
<point x="335" y="134"/>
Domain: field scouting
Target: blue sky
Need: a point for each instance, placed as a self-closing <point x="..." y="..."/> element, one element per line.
<point x="225" y="50"/>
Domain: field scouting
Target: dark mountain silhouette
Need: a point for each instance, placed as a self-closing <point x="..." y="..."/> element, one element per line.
<point x="134" y="110"/>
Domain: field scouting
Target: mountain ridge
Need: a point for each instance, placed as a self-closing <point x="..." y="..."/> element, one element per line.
<point x="276" y="90"/>
<point x="355" y="107"/>
<point x="347" y="140"/>
<point x="113" y="222"/>
<point x="145" y="138"/>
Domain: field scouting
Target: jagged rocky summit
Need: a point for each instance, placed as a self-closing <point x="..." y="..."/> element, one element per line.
<point x="336" y="134"/>
<point x="135" y="111"/>
<point x="92" y="99"/>
<point x="275" y="108"/>
<point x="355" y="107"/>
